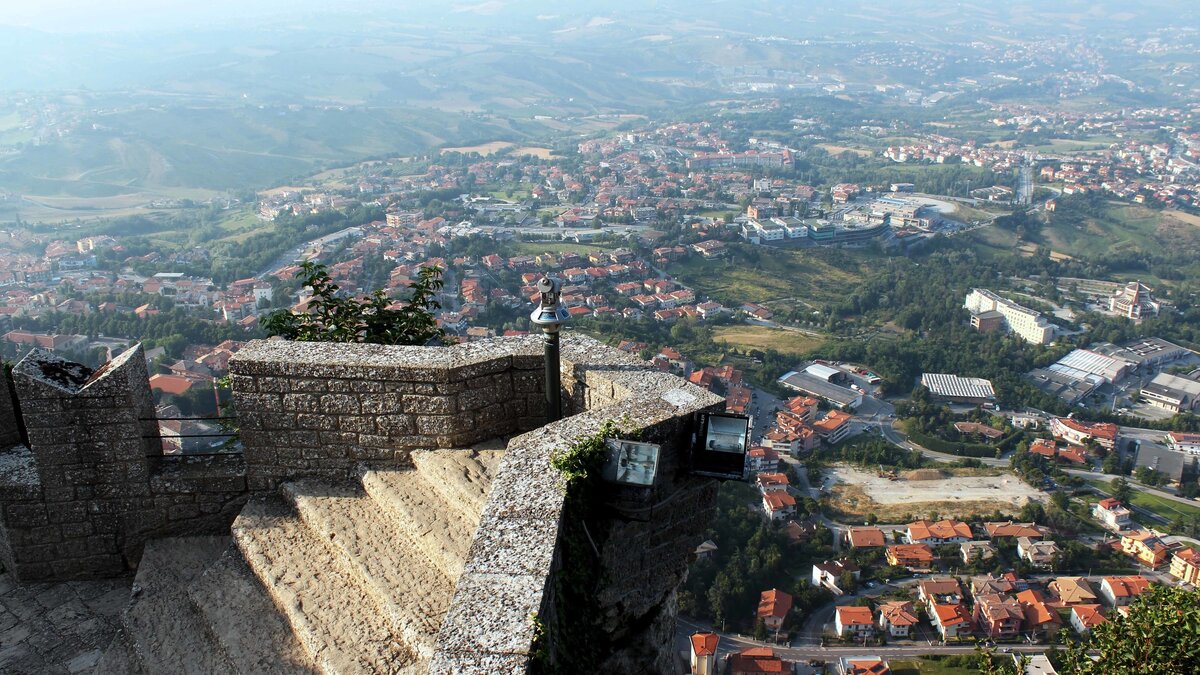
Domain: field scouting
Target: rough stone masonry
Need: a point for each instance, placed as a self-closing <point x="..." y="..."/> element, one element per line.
<point x="92" y="485"/>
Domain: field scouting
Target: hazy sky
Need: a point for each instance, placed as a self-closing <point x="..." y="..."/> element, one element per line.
<point x="104" y="15"/>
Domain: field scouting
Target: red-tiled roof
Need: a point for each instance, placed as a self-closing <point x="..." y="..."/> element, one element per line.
<point x="774" y="603"/>
<point x="855" y="616"/>
<point x="942" y="529"/>
<point x="865" y="537"/>
<point x="705" y="644"/>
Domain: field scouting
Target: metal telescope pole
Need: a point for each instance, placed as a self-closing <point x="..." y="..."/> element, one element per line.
<point x="551" y="316"/>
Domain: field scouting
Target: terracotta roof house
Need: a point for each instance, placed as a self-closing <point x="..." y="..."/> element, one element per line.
<point x="829" y="574"/>
<point x="998" y="616"/>
<point x="1043" y="447"/>
<point x="171" y="384"/>
<point x="1119" y="591"/>
<point x="778" y="505"/>
<point x="1145" y="547"/>
<point x="704" y="653"/>
<point x="945" y="591"/>
<point x="1011" y="529"/>
<point x="1185" y="566"/>
<point x="1072" y="591"/>
<point x="798" y="532"/>
<point x="951" y="621"/>
<point x="773" y="608"/>
<point x="987" y="584"/>
<point x="940" y="532"/>
<point x="851" y="621"/>
<point x="863" y="665"/>
<point x="772" y="482"/>
<point x="1040" y="618"/>
<point x="757" y="661"/>
<point x="897" y="618"/>
<point x="1112" y="514"/>
<point x="1086" y="617"/>
<point x="915" y="557"/>
<point x="865" y="537"/>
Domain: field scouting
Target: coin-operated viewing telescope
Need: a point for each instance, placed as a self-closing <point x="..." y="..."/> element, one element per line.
<point x="550" y="316"/>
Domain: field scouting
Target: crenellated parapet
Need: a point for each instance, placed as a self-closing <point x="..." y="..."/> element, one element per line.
<point x="90" y="485"/>
<point x="335" y="436"/>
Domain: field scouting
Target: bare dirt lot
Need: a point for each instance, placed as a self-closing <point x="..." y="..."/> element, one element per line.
<point x="952" y="493"/>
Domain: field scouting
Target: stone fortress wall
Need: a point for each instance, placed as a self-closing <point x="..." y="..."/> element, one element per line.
<point x="91" y="486"/>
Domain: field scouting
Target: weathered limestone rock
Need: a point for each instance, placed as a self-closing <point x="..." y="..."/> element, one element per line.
<point x="243" y="619"/>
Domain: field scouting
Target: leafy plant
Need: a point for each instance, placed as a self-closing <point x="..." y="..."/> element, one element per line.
<point x="1161" y="634"/>
<point x="586" y="456"/>
<point x="331" y="318"/>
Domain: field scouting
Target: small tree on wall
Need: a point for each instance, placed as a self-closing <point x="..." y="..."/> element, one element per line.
<point x="361" y="319"/>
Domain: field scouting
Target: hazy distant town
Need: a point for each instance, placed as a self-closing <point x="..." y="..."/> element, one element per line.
<point x="950" y="274"/>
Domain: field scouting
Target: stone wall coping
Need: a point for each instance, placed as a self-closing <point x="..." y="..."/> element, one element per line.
<point x="49" y="369"/>
<point x="510" y="563"/>
<point x="18" y="470"/>
<point x="285" y="357"/>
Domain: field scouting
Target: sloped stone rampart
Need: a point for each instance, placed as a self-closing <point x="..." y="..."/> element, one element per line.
<point x="509" y="577"/>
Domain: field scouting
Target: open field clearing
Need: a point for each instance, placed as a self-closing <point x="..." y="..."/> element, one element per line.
<point x="534" y="151"/>
<point x="839" y="149"/>
<point x="764" y="274"/>
<point x="855" y="493"/>
<point x="537" y="247"/>
<point x="1189" y="218"/>
<point x="483" y="149"/>
<point x="763" y="337"/>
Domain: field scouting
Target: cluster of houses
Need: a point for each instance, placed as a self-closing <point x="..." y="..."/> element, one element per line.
<point x="1073" y="440"/>
<point x="917" y="552"/>
<point x="1147" y="547"/>
<point x="1004" y="607"/>
<point x="797" y="431"/>
<point x="1167" y="172"/>
<point x="799" y="427"/>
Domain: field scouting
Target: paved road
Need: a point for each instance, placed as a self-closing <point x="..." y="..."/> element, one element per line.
<point x="733" y="643"/>
<point x="888" y="427"/>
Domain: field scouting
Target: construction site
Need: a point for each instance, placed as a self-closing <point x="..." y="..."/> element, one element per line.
<point x="891" y="495"/>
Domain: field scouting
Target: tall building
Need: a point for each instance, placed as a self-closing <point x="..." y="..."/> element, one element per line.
<point x="1024" y="322"/>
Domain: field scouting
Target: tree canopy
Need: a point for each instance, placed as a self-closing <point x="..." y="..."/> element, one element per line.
<point x="1161" y="634"/>
<point x="333" y="318"/>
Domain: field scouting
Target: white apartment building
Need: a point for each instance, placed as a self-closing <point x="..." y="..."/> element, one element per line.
<point x="1184" y="442"/>
<point x="1026" y="323"/>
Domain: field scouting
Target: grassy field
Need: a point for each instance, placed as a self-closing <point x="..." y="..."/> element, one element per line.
<point x="1069" y="145"/>
<point x="1166" y="508"/>
<point x="763" y="337"/>
<point x="836" y="150"/>
<point x="1116" y="227"/>
<point x="771" y="275"/>
<point x="536" y="247"/>
<point x="484" y="149"/>
<point x="926" y="666"/>
<point x="534" y="151"/>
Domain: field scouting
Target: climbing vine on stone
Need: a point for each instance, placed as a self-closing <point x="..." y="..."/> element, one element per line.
<point x="586" y="456"/>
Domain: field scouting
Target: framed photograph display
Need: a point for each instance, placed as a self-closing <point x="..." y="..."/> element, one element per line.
<point x="631" y="463"/>
<point x="721" y="445"/>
